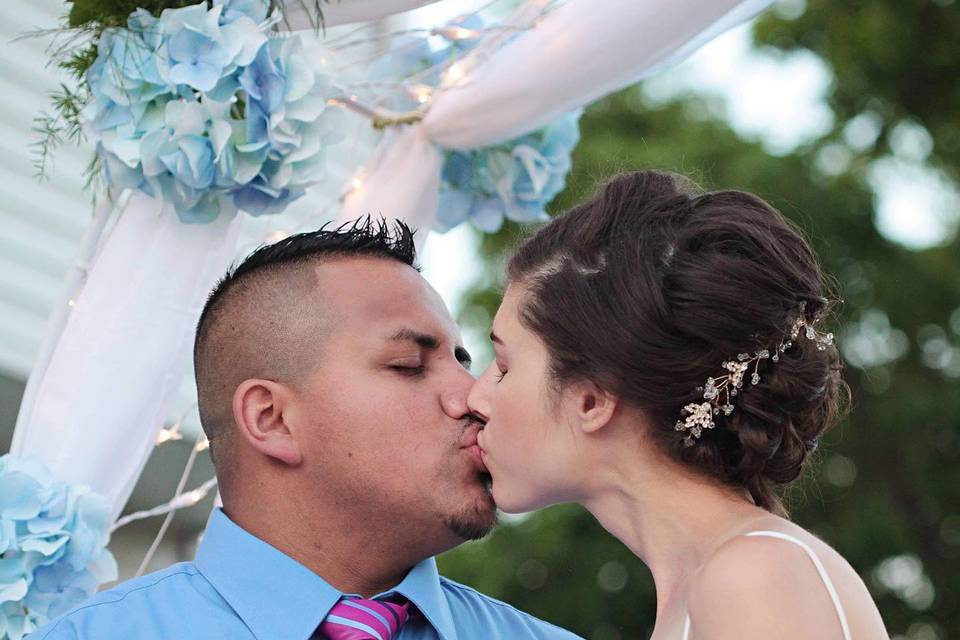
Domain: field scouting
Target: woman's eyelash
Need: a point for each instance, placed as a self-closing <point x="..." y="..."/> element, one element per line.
<point x="500" y="375"/>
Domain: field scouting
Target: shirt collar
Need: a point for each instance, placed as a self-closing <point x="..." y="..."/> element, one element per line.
<point x="275" y="596"/>
<point x="280" y="599"/>
<point x="422" y="588"/>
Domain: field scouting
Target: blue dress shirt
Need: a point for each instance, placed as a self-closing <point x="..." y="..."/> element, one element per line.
<point x="240" y="587"/>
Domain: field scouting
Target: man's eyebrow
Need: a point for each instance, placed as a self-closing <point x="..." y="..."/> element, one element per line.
<point x="424" y="340"/>
<point x="428" y="341"/>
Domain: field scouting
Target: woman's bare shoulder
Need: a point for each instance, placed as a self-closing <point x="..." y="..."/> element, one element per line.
<point x="763" y="583"/>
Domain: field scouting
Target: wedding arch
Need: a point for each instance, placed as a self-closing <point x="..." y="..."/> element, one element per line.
<point x="207" y="115"/>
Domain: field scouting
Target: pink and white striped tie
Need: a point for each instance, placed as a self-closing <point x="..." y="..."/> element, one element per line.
<point x="359" y="619"/>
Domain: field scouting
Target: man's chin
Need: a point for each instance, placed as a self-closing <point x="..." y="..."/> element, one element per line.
<point x="472" y="527"/>
<point x="476" y="520"/>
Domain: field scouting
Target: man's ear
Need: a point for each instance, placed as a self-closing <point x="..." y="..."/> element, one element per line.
<point x="594" y="406"/>
<point x="259" y="408"/>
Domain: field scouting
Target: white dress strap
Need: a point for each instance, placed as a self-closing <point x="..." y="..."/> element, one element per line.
<point x="827" y="582"/>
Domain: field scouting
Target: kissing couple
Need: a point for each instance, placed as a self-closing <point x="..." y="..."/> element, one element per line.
<point x="660" y="360"/>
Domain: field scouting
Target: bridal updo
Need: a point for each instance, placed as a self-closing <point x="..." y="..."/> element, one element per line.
<point x="648" y="288"/>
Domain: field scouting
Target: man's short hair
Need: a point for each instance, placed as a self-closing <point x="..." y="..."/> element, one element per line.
<point x="263" y="314"/>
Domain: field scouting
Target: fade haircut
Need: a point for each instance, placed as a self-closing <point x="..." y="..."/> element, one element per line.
<point x="265" y="317"/>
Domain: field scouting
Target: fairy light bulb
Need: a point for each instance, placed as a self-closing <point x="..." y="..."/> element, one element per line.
<point x="167" y="435"/>
<point x="422" y="93"/>
<point x="456" y="33"/>
<point x="277" y="236"/>
<point x="357" y="183"/>
<point x="454" y="74"/>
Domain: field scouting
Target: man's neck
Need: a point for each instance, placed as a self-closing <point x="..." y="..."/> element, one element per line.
<point x="360" y="560"/>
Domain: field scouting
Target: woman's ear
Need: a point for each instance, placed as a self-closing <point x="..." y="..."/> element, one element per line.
<point x="259" y="409"/>
<point x="594" y="406"/>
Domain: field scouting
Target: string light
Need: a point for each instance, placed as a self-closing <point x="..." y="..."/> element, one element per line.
<point x="356" y="184"/>
<point x="277" y="236"/>
<point x="454" y="74"/>
<point x="455" y="33"/>
<point x="166" y="435"/>
<point x="422" y="93"/>
<point x="181" y="501"/>
<point x="195" y="496"/>
<point x="202" y="444"/>
<point x="70" y="303"/>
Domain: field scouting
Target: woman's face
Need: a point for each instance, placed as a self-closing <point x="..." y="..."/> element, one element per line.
<point x="528" y="446"/>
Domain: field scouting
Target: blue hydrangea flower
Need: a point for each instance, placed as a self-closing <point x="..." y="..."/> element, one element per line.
<point x="288" y="120"/>
<point x="123" y="77"/>
<point x="198" y="48"/>
<point x="256" y="10"/>
<point x="198" y="107"/>
<point x="53" y="539"/>
<point x="516" y="179"/>
<point x="178" y="159"/>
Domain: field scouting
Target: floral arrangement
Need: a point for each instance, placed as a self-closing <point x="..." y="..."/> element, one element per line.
<point x="53" y="539"/>
<point x="201" y="108"/>
<point x="516" y="179"/>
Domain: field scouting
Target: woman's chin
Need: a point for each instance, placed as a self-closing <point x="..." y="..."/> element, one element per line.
<point x="511" y="503"/>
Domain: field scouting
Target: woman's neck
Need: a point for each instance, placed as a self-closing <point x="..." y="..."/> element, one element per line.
<point x="670" y="518"/>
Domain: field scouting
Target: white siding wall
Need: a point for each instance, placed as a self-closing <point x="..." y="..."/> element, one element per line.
<point x="40" y="223"/>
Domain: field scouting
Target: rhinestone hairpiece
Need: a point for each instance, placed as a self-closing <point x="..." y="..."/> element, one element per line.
<point x="719" y="392"/>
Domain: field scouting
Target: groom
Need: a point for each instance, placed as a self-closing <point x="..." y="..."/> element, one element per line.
<point x="332" y="386"/>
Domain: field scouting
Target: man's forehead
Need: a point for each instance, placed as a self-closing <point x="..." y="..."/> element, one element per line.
<point x="383" y="297"/>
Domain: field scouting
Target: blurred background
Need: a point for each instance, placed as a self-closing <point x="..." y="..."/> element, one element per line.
<point x="843" y="115"/>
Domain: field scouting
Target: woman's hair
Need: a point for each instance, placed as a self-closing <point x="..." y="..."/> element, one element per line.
<point x="648" y="288"/>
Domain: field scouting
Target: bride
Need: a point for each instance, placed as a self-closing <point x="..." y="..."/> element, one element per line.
<point x="660" y="360"/>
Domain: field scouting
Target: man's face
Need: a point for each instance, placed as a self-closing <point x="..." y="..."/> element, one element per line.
<point x="387" y="426"/>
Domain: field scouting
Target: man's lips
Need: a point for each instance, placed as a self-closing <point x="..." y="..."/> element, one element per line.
<point x="470" y="434"/>
<point x="470" y="444"/>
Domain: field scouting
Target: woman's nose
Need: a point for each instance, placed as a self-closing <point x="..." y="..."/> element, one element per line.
<point x="478" y="401"/>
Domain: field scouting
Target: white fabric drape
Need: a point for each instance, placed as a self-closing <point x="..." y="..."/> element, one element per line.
<point x="95" y="408"/>
<point x="578" y="53"/>
<point x="302" y="14"/>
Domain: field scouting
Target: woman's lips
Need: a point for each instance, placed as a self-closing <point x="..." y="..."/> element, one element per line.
<point x="476" y="453"/>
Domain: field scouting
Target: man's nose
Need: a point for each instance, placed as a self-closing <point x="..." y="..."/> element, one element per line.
<point x="454" y="398"/>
